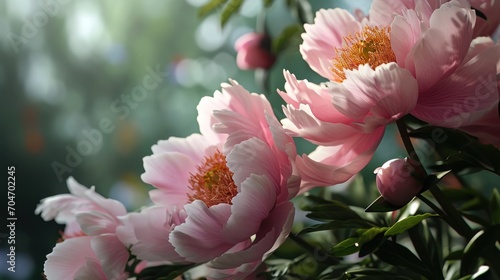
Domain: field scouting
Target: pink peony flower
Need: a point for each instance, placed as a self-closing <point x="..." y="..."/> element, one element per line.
<point x="82" y="210"/>
<point x="91" y="221"/>
<point x="405" y="58"/>
<point x="254" y="51"/>
<point x="87" y="257"/>
<point x="396" y="183"/>
<point x="234" y="181"/>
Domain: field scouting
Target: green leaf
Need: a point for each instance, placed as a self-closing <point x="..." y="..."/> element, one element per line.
<point x="335" y="224"/>
<point x="210" y="7"/>
<point x="381" y="205"/>
<point x="335" y="210"/>
<point x="163" y="272"/>
<point x="407" y="223"/>
<point x="286" y="36"/>
<point x="399" y="256"/>
<point x="427" y="249"/>
<point x="371" y="240"/>
<point x="345" y="248"/>
<point x="231" y="8"/>
<point x="481" y="245"/>
<point x="495" y="207"/>
<point x="456" y="146"/>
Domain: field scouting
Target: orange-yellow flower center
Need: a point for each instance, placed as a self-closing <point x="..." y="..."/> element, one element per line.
<point x="371" y="45"/>
<point x="213" y="182"/>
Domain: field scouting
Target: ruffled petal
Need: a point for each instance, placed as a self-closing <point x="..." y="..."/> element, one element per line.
<point x="327" y="33"/>
<point x="195" y="146"/>
<point x="382" y="12"/>
<point x="148" y="233"/>
<point x="331" y="165"/>
<point x="95" y="223"/>
<point x="465" y="96"/>
<point x="302" y="122"/>
<point x="112" y="255"/>
<point x="170" y="172"/>
<point x="445" y="43"/>
<point x="249" y="208"/>
<point x="376" y="97"/>
<point x="63" y="263"/>
<point x="199" y="239"/>
<point x="253" y="156"/>
<point x="273" y="232"/>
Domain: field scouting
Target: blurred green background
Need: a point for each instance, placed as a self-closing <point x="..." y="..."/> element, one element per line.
<point x="68" y="70"/>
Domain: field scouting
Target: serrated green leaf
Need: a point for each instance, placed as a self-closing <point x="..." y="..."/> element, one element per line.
<point x="381" y="205"/>
<point x="495" y="207"/>
<point x="407" y="223"/>
<point x="345" y="248"/>
<point x="232" y="7"/>
<point x="399" y="256"/>
<point x="335" y="224"/>
<point x="210" y="7"/>
<point x="285" y="37"/>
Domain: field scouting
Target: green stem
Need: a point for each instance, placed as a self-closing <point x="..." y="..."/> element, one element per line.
<point x="453" y="216"/>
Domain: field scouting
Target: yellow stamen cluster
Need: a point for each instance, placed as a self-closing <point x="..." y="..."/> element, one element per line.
<point x="213" y="183"/>
<point x="371" y="45"/>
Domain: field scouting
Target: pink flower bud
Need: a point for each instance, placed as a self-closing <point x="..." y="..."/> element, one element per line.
<point x="254" y="51"/>
<point x="396" y="183"/>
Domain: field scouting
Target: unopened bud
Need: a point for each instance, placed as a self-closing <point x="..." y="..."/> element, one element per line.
<point x="396" y="183"/>
<point x="254" y="51"/>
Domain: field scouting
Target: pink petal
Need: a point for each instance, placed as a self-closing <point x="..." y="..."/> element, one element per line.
<point x="253" y="156"/>
<point x="63" y="263"/>
<point x="445" y="43"/>
<point x="250" y="207"/>
<point x="326" y="34"/>
<point x="465" y="96"/>
<point x="112" y="255"/>
<point x="148" y="233"/>
<point x="382" y="12"/>
<point x="376" y="97"/>
<point x="273" y="232"/>
<point x="302" y="122"/>
<point x="405" y="31"/>
<point x="318" y="98"/>
<point x="199" y="239"/>
<point x="486" y="128"/>
<point x="96" y="223"/>
<point x="194" y="146"/>
<point x="170" y="172"/>
<point x="90" y="270"/>
<point x="331" y="165"/>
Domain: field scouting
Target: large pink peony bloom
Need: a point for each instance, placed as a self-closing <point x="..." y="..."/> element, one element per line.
<point x="91" y="221"/>
<point x="234" y="181"/>
<point x="415" y="57"/>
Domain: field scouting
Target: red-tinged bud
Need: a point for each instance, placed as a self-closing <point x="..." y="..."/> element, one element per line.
<point x="396" y="183"/>
<point x="254" y="51"/>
